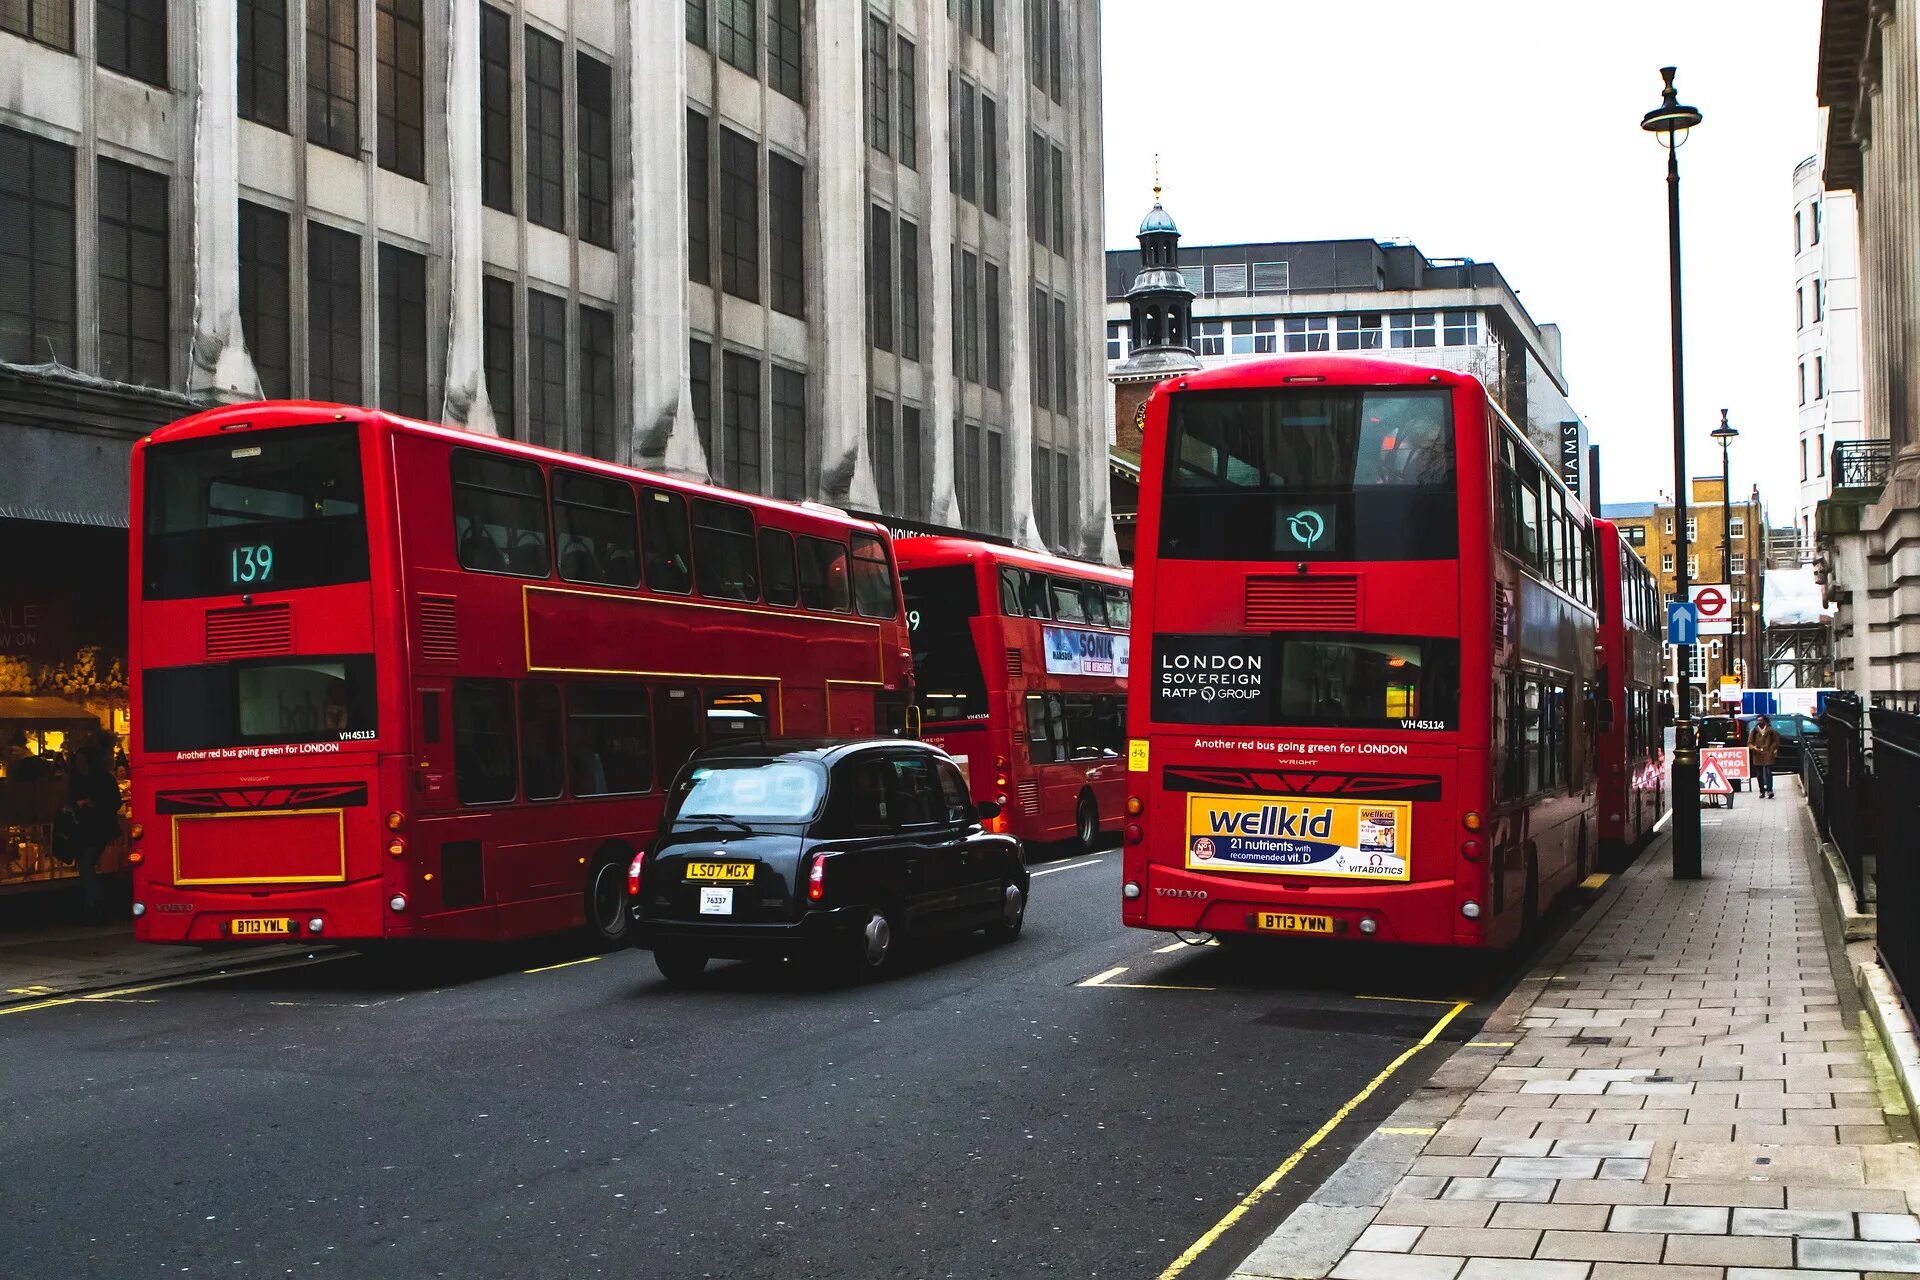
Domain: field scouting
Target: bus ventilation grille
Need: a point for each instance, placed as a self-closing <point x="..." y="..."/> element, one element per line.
<point x="1303" y="604"/>
<point x="244" y="633"/>
<point x="439" y="636"/>
<point x="1030" y="797"/>
<point x="1016" y="663"/>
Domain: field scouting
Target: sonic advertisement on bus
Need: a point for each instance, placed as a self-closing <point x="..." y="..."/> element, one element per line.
<point x="1287" y="835"/>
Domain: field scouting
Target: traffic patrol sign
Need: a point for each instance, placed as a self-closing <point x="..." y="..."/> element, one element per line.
<point x="1683" y="623"/>
<point x="1713" y="602"/>
<point x="1713" y="782"/>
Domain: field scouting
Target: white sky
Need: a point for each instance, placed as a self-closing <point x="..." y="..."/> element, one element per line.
<point x="1508" y="131"/>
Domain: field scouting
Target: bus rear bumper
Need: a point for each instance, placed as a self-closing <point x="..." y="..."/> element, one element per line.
<point x="1421" y="914"/>
<point x="343" y="912"/>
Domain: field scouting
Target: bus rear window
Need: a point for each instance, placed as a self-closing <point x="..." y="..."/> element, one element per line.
<point x="941" y="603"/>
<point x="1311" y="680"/>
<point x="250" y="512"/>
<point x="249" y="704"/>
<point x="1310" y="473"/>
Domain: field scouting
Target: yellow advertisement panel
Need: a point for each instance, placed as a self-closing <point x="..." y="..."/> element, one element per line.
<point x="1300" y="835"/>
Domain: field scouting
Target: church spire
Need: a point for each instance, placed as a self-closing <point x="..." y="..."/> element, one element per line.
<point x="1159" y="305"/>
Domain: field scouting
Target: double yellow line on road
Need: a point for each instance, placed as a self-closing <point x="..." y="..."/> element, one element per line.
<point x="119" y="993"/>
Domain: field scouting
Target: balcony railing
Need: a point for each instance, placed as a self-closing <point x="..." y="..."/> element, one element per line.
<point x="1861" y="464"/>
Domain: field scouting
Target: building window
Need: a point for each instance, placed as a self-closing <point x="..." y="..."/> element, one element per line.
<point x="1693" y="567"/>
<point x="700" y="391"/>
<point x="1358" y="333"/>
<point x="50" y="22"/>
<point x="1819" y="377"/>
<point x="1796" y="231"/>
<point x="699" y="246"/>
<point x="1305" y="333"/>
<point x="262" y="60"/>
<point x="879" y="127"/>
<point x="403" y="331"/>
<point x="1043" y="493"/>
<point x="880" y="450"/>
<point x="401" y="101"/>
<point x="1693" y="528"/>
<point x="970" y="314"/>
<point x="1820" y="456"/>
<point x="1803" y="382"/>
<point x="990" y="286"/>
<point x="908" y="108"/>
<point x="996" y="481"/>
<point x="1116" y="340"/>
<point x="739" y="216"/>
<point x="333" y="86"/>
<point x="969" y="188"/>
<point x="1737" y="527"/>
<point x="1063" y="359"/>
<point x="1666" y="562"/>
<point x="972" y="509"/>
<point x="133" y="292"/>
<point x="740" y="421"/>
<point x="130" y="36"/>
<point x="698" y="20"/>
<point x="1059" y="200"/>
<point x="1816" y="222"/>
<point x="738" y="46"/>
<point x="1800" y="307"/>
<point x="1412" y="329"/>
<point x="496" y="109"/>
<point x="913" y="501"/>
<point x="1037" y="188"/>
<point x="789" y="433"/>
<point x="546" y="132"/>
<point x="1056" y="77"/>
<point x="1461" y="328"/>
<point x="1042" y="362"/>
<point x="1257" y="337"/>
<point x="599" y="411"/>
<point x="1210" y="337"/>
<point x="498" y="351"/>
<point x="784" y="57"/>
<point x="1738" y="564"/>
<point x="1697" y="662"/>
<point x="333" y="315"/>
<point x="1669" y="529"/>
<point x="1803" y="459"/>
<point x="593" y="122"/>
<point x="909" y="290"/>
<point x="880" y="278"/>
<point x="264" y="294"/>
<point x="546" y="369"/>
<point x="989" y="156"/>
<point x="1819" y="301"/>
<point x="786" y="229"/>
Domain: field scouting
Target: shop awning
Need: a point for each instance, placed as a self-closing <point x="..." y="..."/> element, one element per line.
<point x="43" y="714"/>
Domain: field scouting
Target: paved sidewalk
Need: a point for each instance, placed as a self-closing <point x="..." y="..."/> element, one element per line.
<point x="77" y="959"/>
<point x="1678" y="1092"/>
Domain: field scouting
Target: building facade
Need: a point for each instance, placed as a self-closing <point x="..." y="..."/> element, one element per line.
<point x="1254" y="300"/>
<point x="1726" y="545"/>
<point x="1826" y="319"/>
<point x="1868" y="529"/>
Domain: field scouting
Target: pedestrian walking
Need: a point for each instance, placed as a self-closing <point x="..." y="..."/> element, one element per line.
<point x="1763" y="748"/>
<point x="91" y="820"/>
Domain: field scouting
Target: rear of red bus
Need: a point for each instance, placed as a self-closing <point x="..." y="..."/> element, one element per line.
<point x="1309" y="736"/>
<point x="266" y="686"/>
<point x="1629" y="744"/>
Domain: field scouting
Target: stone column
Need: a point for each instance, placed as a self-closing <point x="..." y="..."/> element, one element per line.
<point x="466" y="403"/>
<point x="936" y="41"/>
<point x="665" y="437"/>
<point x="1016" y="319"/>
<point x="221" y="367"/>
<point x="1092" y="392"/>
<point x="838" y="274"/>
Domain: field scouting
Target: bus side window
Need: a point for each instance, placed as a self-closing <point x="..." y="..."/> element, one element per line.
<point x="725" y="561"/>
<point x="1010" y="593"/>
<point x="594" y="525"/>
<point x="776" y="567"/>
<point x="542" y="748"/>
<point x="669" y="556"/>
<point x="1039" y="742"/>
<point x="610" y="735"/>
<point x="1093" y="604"/>
<point x="1119" y="608"/>
<point x="483" y="742"/>
<point x="823" y="575"/>
<point x="500" y="515"/>
<point x="1036" y="594"/>
<point x="676" y="729"/>
<point x="873" y="590"/>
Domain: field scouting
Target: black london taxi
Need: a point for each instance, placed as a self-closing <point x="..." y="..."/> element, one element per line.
<point x="816" y="847"/>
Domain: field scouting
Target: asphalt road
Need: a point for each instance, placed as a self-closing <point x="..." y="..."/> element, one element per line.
<point x="535" y="1112"/>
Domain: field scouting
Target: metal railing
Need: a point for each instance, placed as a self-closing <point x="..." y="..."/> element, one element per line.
<point x="1861" y="464"/>
<point x="1813" y="776"/>
<point x="1896" y="766"/>
<point x="1848" y="798"/>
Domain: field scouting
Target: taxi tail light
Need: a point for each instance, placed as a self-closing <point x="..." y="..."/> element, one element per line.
<point x="817" y="878"/>
<point x="633" y="875"/>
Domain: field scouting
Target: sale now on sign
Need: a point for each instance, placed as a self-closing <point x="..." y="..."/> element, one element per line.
<point x="1713" y="602"/>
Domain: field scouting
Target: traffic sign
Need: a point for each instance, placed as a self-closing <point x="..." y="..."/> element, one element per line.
<point x="1683" y="623"/>
<point x="1713" y="782"/>
<point x="1726" y="762"/>
<point x="1714" y="603"/>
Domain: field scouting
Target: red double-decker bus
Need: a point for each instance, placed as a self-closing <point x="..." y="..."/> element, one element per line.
<point x="392" y="680"/>
<point x="1020" y="662"/>
<point x="1632" y="754"/>
<point x="1365" y="604"/>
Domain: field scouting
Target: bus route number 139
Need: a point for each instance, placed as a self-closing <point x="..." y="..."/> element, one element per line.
<point x="251" y="564"/>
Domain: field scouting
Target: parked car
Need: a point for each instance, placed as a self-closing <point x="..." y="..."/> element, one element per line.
<point x="820" y="848"/>
<point x="1794" y="730"/>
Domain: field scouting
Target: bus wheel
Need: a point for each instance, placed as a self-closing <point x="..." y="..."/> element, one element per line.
<point x="606" y="903"/>
<point x="1086" y="822"/>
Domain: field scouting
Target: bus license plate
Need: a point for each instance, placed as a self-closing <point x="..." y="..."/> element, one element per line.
<point x="261" y="927"/>
<point x="741" y="872"/>
<point x="1287" y="922"/>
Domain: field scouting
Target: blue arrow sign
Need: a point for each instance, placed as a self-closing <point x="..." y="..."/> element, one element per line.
<point x="1683" y="623"/>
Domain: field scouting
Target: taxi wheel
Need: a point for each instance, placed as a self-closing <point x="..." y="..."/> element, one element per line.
<point x="1013" y="914"/>
<point x="606" y="902"/>
<point x="678" y="966"/>
<point x="876" y="946"/>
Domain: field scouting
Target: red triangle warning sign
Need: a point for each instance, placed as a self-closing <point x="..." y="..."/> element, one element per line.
<point x="1713" y="782"/>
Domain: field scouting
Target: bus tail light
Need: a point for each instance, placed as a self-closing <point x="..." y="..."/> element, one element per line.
<point x="396" y="820"/>
<point x="1470" y="850"/>
<point x="1470" y="820"/>
<point x="633" y="874"/>
<point x="1470" y="909"/>
<point x="134" y="833"/>
<point x="1000" y="780"/>
<point x="999" y="762"/>
<point x="1135" y="833"/>
<point x="135" y="858"/>
<point x="817" y="878"/>
<point x="1130" y="891"/>
<point x="1135" y="806"/>
<point x="397" y="847"/>
<point x="398" y="902"/>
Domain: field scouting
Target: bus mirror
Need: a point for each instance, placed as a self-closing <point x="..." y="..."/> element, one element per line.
<point x="987" y="810"/>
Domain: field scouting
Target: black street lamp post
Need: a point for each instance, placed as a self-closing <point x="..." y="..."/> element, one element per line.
<point x="1725" y="434"/>
<point x="1669" y="122"/>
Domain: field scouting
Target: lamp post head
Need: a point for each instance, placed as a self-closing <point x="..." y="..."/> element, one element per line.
<point x="1672" y="118"/>
<point x="1726" y="431"/>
